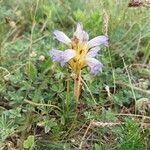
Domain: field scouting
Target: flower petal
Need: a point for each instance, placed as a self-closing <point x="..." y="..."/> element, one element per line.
<point x="85" y="36"/>
<point x="62" y="37"/>
<point x="98" y="41"/>
<point x="95" y="65"/>
<point x="67" y="55"/>
<point x="93" y="52"/>
<point x="62" y="56"/>
<point x="56" y="55"/>
<point x="79" y="32"/>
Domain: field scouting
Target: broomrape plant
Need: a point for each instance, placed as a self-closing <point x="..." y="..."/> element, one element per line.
<point x="81" y="53"/>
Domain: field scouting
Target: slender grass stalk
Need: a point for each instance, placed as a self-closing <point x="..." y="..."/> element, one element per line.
<point x="41" y="104"/>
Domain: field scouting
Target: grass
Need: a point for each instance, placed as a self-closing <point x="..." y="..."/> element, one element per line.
<point x="37" y="107"/>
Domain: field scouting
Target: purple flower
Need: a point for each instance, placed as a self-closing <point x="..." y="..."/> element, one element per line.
<point x="81" y="34"/>
<point x="62" y="56"/>
<point x="93" y="52"/>
<point x="82" y="52"/>
<point x="99" y="40"/>
<point x="62" y="37"/>
<point x="94" y="64"/>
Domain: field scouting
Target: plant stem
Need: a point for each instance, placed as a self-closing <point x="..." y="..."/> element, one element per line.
<point x="77" y="86"/>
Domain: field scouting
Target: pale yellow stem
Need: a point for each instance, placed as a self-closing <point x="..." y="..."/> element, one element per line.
<point x="77" y="85"/>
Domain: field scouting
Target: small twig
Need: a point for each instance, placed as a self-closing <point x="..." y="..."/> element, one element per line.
<point x="8" y="73"/>
<point x="31" y="37"/>
<point x="140" y="65"/>
<point x="111" y="124"/>
<point x="39" y="39"/>
<point x="129" y="78"/>
<point x="133" y="115"/>
<point x="44" y="26"/>
<point x="40" y="104"/>
<point x="10" y="33"/>
<point x="88" y="90"/>
<point x="94" y="123"/>
<point x="106" y="124"/>
<point x="83" y="138"/>
<point x="135" y="88"/>
<point x="32" y="28"/>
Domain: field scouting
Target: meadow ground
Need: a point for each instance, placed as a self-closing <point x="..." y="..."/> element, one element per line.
<point x="38" y="109"/>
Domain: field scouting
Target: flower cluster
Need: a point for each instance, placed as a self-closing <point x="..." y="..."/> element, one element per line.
<point x="81" y="52"/>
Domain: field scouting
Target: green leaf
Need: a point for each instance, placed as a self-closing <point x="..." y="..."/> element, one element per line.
<point x="67" y="146"/>
<point x="37" y="95"/>
<point x="97" y="147"/>
<point x="29" y="142"/>
<point x="46" y="66"/>
<point x="49" y="124"/>
<point x="58" y="87"/>
<point x="80" y="15"/>
<point x="31" y="71"/>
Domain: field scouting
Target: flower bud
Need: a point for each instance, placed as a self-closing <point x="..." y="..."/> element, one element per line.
<point x="18" y="13"/>
<point x="33" y="54"/>
<point x="7" y="77"/>
<point x="12" y="24"/>
<point x="41" y="57"/>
